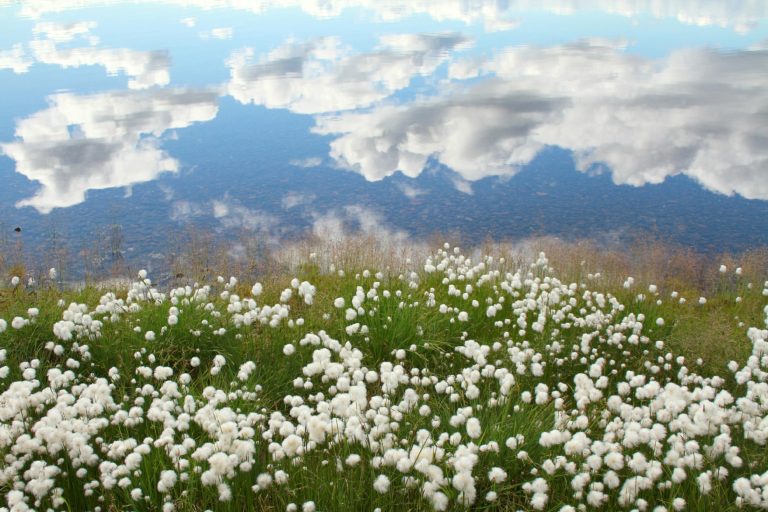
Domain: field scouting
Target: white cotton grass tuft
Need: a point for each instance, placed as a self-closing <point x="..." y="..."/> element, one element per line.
<point x="497" y="475"/>
<point x="381" y="484"/>
<point x="608" y="414"/>
<point x="19" y="322"/>
<point x="167" y="481"/>
<point x="473" y="428"/>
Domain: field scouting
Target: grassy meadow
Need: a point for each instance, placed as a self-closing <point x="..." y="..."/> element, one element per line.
<point x="358" y="377"/>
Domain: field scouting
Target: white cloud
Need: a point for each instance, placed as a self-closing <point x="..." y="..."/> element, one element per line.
<point x="740" y="15"/>
<point x="698" y="112"/>
<point x="145" y="69"/>
<point x="354" y="221"/>
<point x="63" y="32"/>
<point x="188" y="22"/>
<point x="463" y="186"/>
<point x="15" y="59"/>
<point x="168" y="192"/>
<point x="409" y="191"/>
<point x="101" y="141"/>
<point x="480" y="133"/>
<point x="233" y="215"/>
<point x="222" y="33"/>
<point x="230" y="213"/>
<point x="294" y="199"/>
<point x="184" y="211"/>
<point x="320" y="76"/>
<point x="500" y="24"/>
<point x="220" y="209"/>
<point x="307" y="163"/>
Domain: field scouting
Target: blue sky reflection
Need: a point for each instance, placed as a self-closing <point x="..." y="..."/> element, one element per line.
<point x="405" y="104"/>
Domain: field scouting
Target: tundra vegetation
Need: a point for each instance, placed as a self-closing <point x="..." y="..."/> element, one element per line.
<point x="449" y="381"/>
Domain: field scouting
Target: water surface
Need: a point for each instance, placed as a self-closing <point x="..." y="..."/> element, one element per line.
<point x="482" y="119"/>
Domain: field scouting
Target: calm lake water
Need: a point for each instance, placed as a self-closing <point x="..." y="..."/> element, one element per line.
<point x="485" y="119"/>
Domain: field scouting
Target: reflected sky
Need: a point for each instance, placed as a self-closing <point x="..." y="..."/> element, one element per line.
<point x="98" y="141"/>
<point x="485" y="118"/>
<point x="699" y="112"/>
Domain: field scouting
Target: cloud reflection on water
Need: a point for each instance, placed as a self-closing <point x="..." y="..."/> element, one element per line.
<point x="100" y="141"/>
<point x="63" y="32"/>
<point x="740" y="15"/>
<point x="144" y="68"/>
<point x="700" y="112"/>
<point x="15" y="59"/>
<point x="322" y="76"/>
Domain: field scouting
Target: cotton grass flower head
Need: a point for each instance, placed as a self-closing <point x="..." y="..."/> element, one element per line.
<point x="473" y="428"/>
<point x="381" y="484"/>
<point x="608" y="415"/>
<point x="497" y="475"/>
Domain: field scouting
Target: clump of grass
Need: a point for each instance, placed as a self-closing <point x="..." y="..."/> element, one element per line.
<point x="502" y="380"/>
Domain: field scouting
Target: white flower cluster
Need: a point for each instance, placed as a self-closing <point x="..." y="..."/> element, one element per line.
<point x="76" y="323"/>
<point x="562" y="388"/>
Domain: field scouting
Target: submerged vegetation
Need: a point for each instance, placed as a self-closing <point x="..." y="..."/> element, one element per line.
<point x="450" y="381"/>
